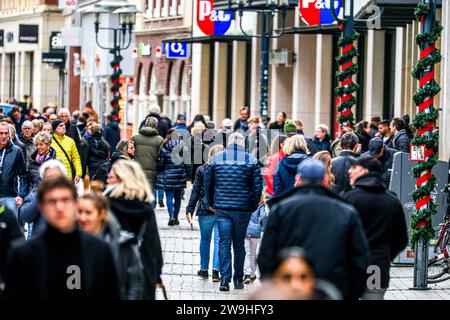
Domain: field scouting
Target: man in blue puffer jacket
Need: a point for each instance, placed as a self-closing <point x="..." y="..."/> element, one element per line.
<point x="233" y="186"/>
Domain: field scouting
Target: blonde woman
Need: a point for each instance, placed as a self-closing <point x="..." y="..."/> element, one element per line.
<point x="325" y="157"/>
<point x="197" y="148"/>
<point x="130" y="200"/>
<point x="206" y="221"/>
<point x="295" y="151"/>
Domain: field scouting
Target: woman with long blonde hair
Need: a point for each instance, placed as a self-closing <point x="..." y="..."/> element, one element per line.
<point x="325" y="157"/>
<point x="130" y="200"/>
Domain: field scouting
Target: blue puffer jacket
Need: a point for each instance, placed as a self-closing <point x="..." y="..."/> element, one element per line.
<point x="173" y="171"/>
<point x="254" y="228"/>
<point x="13" y="168"/>
<point x="286" y="170"/>
<point x="233" y="180"/>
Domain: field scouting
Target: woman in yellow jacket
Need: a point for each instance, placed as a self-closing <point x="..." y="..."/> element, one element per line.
<point x="60" y="140"/>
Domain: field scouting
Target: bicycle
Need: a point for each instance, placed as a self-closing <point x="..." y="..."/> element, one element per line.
<point x="439" y="264"/>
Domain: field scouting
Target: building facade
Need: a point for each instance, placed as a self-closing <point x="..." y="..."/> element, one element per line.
<point x="160" y="79"/>
<point x="26" y="28"/>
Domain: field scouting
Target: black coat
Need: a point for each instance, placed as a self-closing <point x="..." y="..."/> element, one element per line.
<point x="95" y="152"/>
<point x="72" y="131"/>
<point x="401" y="141"/>
<point x="131" y="215"/>
<point x="9" y="232"/>
<point x="339" y="168"/>
<point x="28" y="268"/>
<point x="387" y="161"/>
<point x="164" y="124"/>
<point x="322" y="145"/>
<point x="198" y="153"/>
<point x="383" y="221"/>
<point x="197" y="200"/>
<point x="35" y="165"/>
<point x="328" y="228"/>
<point x="111" y="133"/>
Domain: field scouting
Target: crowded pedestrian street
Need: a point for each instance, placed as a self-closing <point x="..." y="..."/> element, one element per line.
<point x="224" y="150"/>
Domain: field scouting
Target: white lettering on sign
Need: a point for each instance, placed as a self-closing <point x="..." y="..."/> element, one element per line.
<point x="177" y="48"/>
<point x="205" y="9"/>
<point x="214" y="15"/>
<point x="320" y="4"/>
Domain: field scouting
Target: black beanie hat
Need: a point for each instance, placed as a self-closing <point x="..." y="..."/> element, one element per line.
<point x="56" y="123"/>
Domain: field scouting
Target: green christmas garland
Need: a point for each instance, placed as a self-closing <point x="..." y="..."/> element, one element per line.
<point x="420" y="220"/>
<point x="116" y="85"/>
<point x="351" y="88"/>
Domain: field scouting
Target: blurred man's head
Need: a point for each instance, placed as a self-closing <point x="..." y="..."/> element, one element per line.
<point x="57" y="202"/>
<point x="349" y="141"/>
<point x="244" y="113"/>
<point x="64" y="115"/>
<point x="361" y="166"/>
<point x="383" y="128"/>
<point x="376" y="148"/>
<point x="397" y="124"/>
<point x="311" y="172"/>
<point x="4" y="134"/>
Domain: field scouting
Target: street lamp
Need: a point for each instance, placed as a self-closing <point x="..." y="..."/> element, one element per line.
<point x="121" y="41"/>
<point x="267" y="9"/>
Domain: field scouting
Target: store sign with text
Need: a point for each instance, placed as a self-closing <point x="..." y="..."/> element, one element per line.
<point x="68" y="4"/>
<point x="28" y="33"/>
<point x="318" y="12"/>
<point x="210" y="21"/>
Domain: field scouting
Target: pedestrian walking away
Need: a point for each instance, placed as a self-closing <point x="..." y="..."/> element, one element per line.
<point x="206" y="220"/>
<point x="233" y="186"/>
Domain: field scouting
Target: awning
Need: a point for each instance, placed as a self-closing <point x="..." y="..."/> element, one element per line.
<point x="207" y="39"/>
<point x="397" y="13"/>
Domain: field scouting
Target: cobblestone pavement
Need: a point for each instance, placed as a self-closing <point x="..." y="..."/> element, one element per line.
<point x="181" y="261"/>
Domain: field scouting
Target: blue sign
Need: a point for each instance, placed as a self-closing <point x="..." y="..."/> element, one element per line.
<point x="176" y="50"/>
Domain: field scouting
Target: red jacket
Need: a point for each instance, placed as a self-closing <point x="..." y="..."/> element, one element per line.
<point x="269" y="172"/>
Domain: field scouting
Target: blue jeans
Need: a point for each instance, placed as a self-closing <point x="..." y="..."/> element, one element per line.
<point x="158" y="195"/>
<point x="232" y="228"/>
<point x="10" y="203"/>
<point x="207" y="224"/>
<point x="173" y="201"/>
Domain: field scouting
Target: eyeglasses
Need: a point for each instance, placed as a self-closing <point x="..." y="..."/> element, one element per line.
<point x="26" y="128"/>
<point x="53" y="202"/>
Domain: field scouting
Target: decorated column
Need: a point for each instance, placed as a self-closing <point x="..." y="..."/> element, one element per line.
<point x="347" y="88"/>
<point x="424" y="146"/>
<point x="116" y="85"/>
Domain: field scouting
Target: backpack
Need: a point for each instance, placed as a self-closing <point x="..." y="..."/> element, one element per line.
<point x="131" y="268"/>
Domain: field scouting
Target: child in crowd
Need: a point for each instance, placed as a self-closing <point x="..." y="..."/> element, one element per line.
<point x="252" y="240"/>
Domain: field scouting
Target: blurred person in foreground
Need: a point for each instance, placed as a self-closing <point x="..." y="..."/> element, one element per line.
<point x="326" y="227"/>
<point x="62" y="263"/>
<point x="294" y="279"/>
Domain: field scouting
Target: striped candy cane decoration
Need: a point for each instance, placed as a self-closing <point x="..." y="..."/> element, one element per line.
<point x="116" y="85"/>
<point x="346" y="88"/>
<point x="426" y="137"/>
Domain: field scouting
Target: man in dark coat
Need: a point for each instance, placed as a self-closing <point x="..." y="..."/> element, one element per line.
<point x="13" y="174"/>
<point x="111" y="132"/>
<point x="341" y="164"/>
<point x="401" y="141"/>
<point x="322" y="140"/>
<point x="17" y="118"/>
<point x="327" y="228"/>
<point x="233" y="186"/>
<point x="382" y="217"/>
<point x="241" y="124"/>
<point x="71" y="127"/>
<point x="9" y="232"/>
<point x="63" y="262"/>
<point x="384" y="155"/>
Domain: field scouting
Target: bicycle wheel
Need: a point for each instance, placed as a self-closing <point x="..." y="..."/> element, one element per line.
<point x="437" y="269"/>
